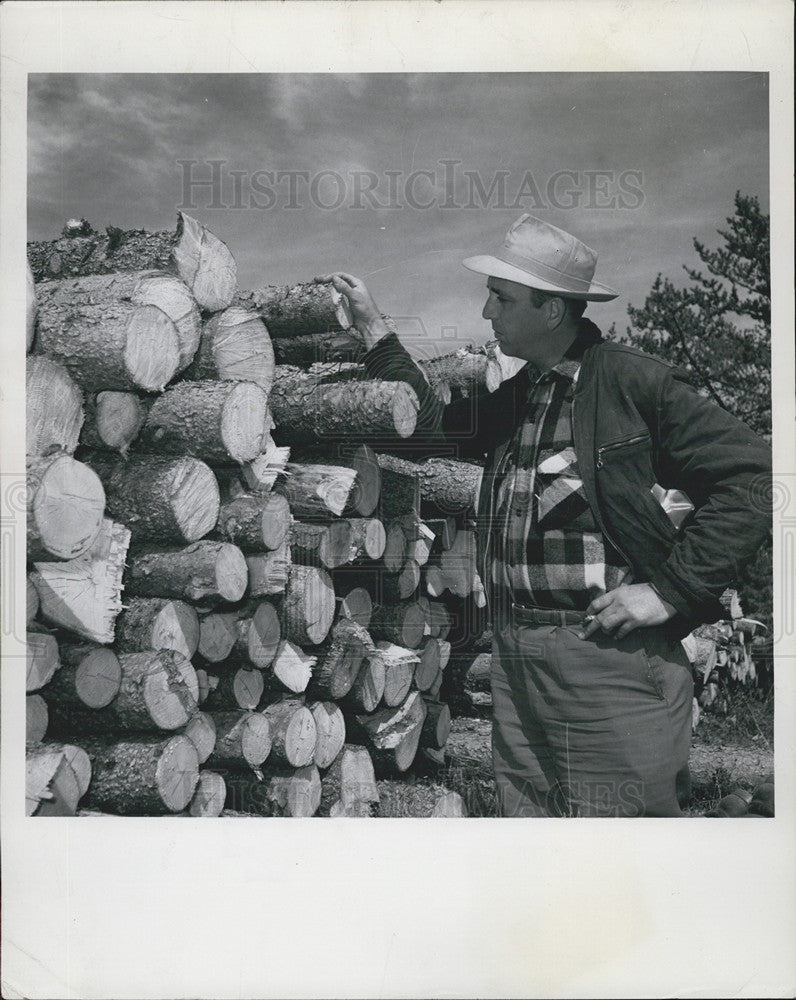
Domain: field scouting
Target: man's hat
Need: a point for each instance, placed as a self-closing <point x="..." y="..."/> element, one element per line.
<point x="539" y="255"/>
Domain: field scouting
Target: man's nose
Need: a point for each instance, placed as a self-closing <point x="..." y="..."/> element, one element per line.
<point x="487" y="312"/>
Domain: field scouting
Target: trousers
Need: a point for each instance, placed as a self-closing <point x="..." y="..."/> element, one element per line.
<point x="590" y="727"/>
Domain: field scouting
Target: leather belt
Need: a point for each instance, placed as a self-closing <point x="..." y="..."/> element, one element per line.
<point x="522" y="615"/>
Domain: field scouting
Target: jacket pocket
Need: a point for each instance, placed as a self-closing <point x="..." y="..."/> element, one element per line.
<point x="635" y="440"/>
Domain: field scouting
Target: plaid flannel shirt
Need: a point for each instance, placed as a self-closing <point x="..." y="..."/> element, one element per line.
<point x="550" y="551"/>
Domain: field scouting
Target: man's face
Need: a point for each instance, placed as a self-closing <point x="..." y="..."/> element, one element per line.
<point x="521" y="329"/>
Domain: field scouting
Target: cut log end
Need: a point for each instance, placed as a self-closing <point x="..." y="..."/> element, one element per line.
<point x="210" y="795"/>
<point x="152" y="352"/>
<point x="195" y="499"/>
<point x="171" y="690"/>
<point x="405" y="407"/>
<point x="244" y="421"/>
<point x="177" y="773"/>
<point x="67" y="509"/>
<point x="232" y="573"/>
<point x="98" y="678"/>
<point x="205" y="264"/>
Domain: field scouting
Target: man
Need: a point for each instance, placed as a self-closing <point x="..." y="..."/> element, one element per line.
<point x="591" y="586"/>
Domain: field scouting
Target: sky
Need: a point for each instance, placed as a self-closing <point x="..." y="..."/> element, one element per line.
<point x="396" y="177"/>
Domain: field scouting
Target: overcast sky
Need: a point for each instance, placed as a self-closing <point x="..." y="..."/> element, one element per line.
<point x="349" y="172"/>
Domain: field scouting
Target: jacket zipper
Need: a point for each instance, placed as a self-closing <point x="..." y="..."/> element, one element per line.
<point x="617" y="444"/>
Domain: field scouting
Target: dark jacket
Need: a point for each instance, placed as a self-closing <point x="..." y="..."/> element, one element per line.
<point x="636" y="421"/>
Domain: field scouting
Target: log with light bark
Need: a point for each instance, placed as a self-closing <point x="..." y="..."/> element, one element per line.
<point x="242" y="739"/>
<point x="83" y="595"/>
<point x="54" y="411"/>
<point x="368" y="688"/>
<point x="113" y="420"/>
<point x="308" y="607"/>
<point x="291" y="669"/>
<point x="65" y="504"/>
<point x="42" y="660"/>
<point x="75" y="756"/>
<point x="268" y="572"/>
<point x="293" y="733"/>
<point x="142" y="288"/>
<point x="328" y="545"/>
<point x="159" y="690"/>
<point x="399" y="671"/>
<point x="330" y="726"/>
<point x="290" y="311"/>
<point x="51" y="786"/>
<point x="160" y="499"/>
<point x="213" y="421"/>
<point x="205" y="571"/>
<point x="210" y="795"/>
<point x="403" y="624"/>
<point x="143" y="775"/>
<point x="393" y="734"/>
<point x="349" y="785"/>
<point x="30" y="308"/>
<point x="353" y="603"/>
<point x="235" y="346"/>
<point x="305" y="408"/>
<point x="368" y="539"/>
<point x="36" y="718"/>
<point x="191" y="252"/>
<point x="217" y="635"/>
<point x="446" y="485"/>
<point x="316" y="492"/>
<point x="339" y="660"/>
<point x="437" y="724"/>
<point x="306" y="349"/>
<point x="31" y="600"/>
<point x="255" y="521"/>
<point x="201" y="731"/>
<point x="460" y="372"/>
<point x="90" y="676"/>
<point x="157" y="623"/>
<point x="111" y="343"/>
<point x="258" y="634"/>
<point x="289" y="792"/>
<point x="235" y="688"/>
<point x="419" y="801"/>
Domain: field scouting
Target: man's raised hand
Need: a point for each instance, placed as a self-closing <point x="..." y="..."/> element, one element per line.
<point x="364" y="311"/>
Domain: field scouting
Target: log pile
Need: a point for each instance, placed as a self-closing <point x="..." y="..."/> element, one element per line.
<point x="235" y="604"/>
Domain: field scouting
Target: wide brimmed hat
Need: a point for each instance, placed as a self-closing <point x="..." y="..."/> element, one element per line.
<point x="539" y="255"/>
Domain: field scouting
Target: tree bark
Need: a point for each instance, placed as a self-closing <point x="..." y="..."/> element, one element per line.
<point x="290" y="311"/>
<point x="113" y="421"/>
<point x="258" y="635"/>
<point x="234" y="689"/>
<point x="157" y="623"/>
<point x="65" y="504"/>
<point x="213" y="421"/>
<point x="315" y="492"/>
<point x="242" y="739"/>
<point x="269" y="572"/>
<point x="330" y="726"/>
<point x="235" y="346"/>
<point x="83" y="595"/>
<point x="339" y="660"/>
<point x="204" y="571"/>
<point x="42" y="660"/>
<point x="90" y="676"/>
<point x="142" y="776"/>
<point x="255" y="522"/>
<point x="304" y="350"/>
<point x="399" y="671"/>
<point x="308" y="409"/>
<point x="293" y="734"/>
<point x="289" y="792"/>
<point x="400" y="490"/>
<point x="160" y="499"/>
<point x="201" y="731"/>
<point x="53" y="407"/>
<point x="159" y="690"/>
<point x="349" y="786"/>
<point x="328" y="545"/>
<point x="446" y="486"/>
<point x="192" y="252"/>
<point x="36" y="718"/>
<point x="308" y="606"/>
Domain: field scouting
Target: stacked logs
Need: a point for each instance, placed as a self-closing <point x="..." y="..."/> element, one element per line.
<point x="222" y="619"/>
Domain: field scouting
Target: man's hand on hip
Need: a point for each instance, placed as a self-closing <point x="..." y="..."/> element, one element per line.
<point x="635" y="605"/>
<point x="364" y="311"/>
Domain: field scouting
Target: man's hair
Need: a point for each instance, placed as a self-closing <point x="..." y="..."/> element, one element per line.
<point x="575" y="307"/>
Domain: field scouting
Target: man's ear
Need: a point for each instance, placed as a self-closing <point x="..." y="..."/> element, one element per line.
<point x="557" y="312"/>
